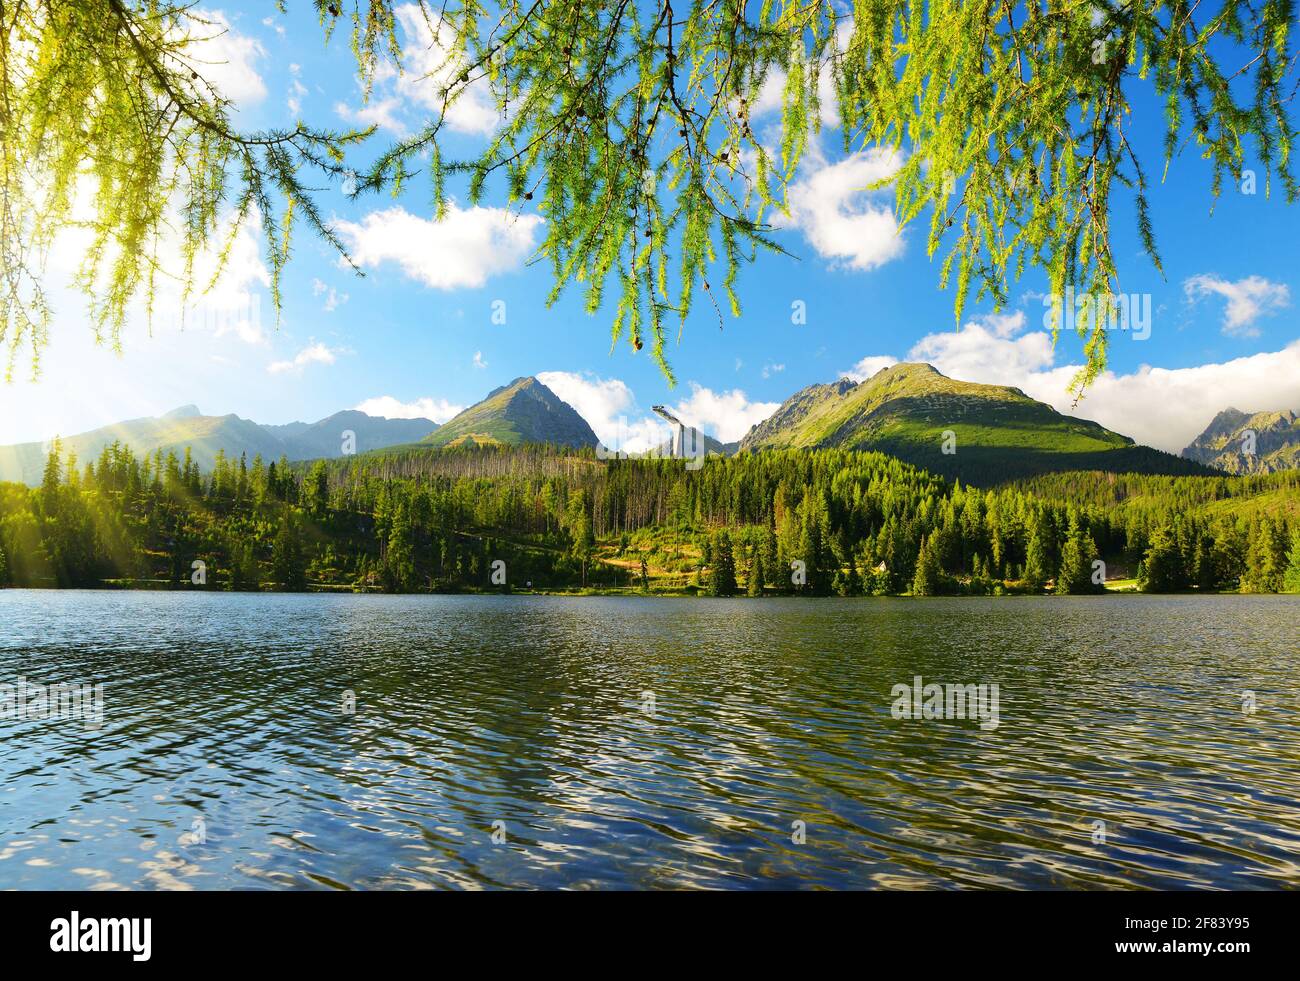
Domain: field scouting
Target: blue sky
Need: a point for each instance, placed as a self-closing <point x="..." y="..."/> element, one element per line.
<point x="417" y="334"/>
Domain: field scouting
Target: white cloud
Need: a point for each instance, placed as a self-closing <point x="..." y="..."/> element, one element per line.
<point x="726" y="416"/>
<point x="464" y="249"/>
<point x="1003" y="324"/>
<point x="333" y="298"/>
<point x="224" y="57"/>
<point x="1169" y="407"/>
<point x="1248" y="300"/>
<point x="771" y="94"/>
<point x="478" y="360"/>
<point x="869" y="366"/>
<point x="841" y="220"/>
<point x="598" y="400"/>
<point x="985" y="351"/>
<point x="315" y="353"/>
<point x="620" y="422"/>
<point x="378" y="112"/>
<point x="387" y="407"/>
<point x="1161" y="407"/>
<point x="296" y="91"/>
<point x="426" y="71"/>
<point x="772" y="369"/>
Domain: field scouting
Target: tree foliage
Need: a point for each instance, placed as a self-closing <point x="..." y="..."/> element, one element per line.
<point x="424" y="519"/>
<point x="630" y="127"/>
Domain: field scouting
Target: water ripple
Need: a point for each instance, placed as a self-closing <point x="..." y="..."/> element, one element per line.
<point x="641" y="743"/>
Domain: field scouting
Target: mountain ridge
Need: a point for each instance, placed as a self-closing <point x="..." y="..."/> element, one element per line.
<point x="997" y="432"/>
<point x="1224" y="443"/>
<point x="524" y="411"/>
<point x="907" y="410"/>
<point x="185" y="426"/>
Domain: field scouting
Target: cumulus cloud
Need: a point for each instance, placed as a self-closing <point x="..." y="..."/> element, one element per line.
<point x="384" y="113"/>
<point x="621" y="423"/>
<point x="427" y="69"/>
<point x="224" y="57"/>
<point x="1161" y="407"/>
<point x="986" y="350"/>
<point x="770" y="96"/>
<point x="842" y="220"/>
<point x="725" y="416"/>
<point x="296" y="91"/>
<point x="869" y="366"/>
<point x="315" y="353"/>
<point x="464" y="249"/>
<point x="1247" y="300"/>
<point x="603" y="402"/>
<point x="388" y="407"/>
<point x="1169" y="407"/>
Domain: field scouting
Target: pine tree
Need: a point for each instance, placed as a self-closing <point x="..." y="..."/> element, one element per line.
<point x="928" y="572"/>
<point x="1291" y="578"/>
<point x="1075" y="575"/>
<point x="1035" y="576"/>
<point x="722" y="574"/>
<point x="399" y="558"/>
<point x="317" y="489"/>
<point x="244" y="573"/>
<point x="287" y="565"/>
<point x="583" y="538"/>
<point x="756" y="574"/>
<point x="1265" y="559"/>
<point x="1162" y="568"/>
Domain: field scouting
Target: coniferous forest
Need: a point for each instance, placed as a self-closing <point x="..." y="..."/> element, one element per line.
<point x="809" y="522"/>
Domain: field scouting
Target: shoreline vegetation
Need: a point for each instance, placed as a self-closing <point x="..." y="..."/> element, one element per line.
<point x="548" y="520"/>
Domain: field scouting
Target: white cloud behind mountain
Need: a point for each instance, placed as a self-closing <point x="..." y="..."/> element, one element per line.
<point x="1161" y="407"/>
<point x="388" y="407"/>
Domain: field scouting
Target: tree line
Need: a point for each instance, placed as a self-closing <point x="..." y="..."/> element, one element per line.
<point x="813" y="522"/>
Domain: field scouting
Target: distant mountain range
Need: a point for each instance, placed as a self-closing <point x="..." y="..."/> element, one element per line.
<point x="1241" y="442"/>
<point x="994" y="433"/>
<point x="997" y="433"/>
<point x="525" y="411"/>
<point x="205" y="435"/>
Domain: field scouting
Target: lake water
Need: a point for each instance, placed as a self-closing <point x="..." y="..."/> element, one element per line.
<point x="632" y="743"/>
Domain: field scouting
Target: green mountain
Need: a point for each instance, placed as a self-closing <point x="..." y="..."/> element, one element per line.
<point x="1225" y="442"/>
<point x="525" y="411"/>
<point x="998" y="433"/>
<point x="205" y="435"/>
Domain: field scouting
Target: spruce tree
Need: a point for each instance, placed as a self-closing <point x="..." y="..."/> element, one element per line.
<point x="722" y="574"/>
<point x="1291" y="578"/>
<point x="928" y="572"/>
<point x="1035" y="576"/>
<point x="1075" y="575"/>
<point x="287" y="564"/>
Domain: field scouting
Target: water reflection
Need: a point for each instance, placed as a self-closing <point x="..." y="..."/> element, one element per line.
<point x="227" y="758"/>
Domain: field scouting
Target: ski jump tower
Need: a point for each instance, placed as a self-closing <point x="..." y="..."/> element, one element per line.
<point x="677" y="447"/>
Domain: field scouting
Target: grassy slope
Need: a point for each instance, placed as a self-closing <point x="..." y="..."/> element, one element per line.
<point x="523" y="411"/>
<point x="1000" y="432"/>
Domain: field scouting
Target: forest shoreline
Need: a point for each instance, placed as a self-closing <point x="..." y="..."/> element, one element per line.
<point x="342" y="590"/>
